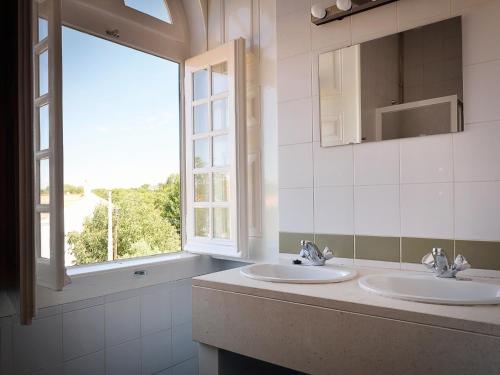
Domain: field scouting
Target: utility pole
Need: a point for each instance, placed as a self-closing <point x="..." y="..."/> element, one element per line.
<point x="110" y="227"/>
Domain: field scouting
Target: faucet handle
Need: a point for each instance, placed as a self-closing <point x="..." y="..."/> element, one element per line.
<point x="428" y="260"/>
<point x="461" y="263"/>
<point x="327" y="253"/>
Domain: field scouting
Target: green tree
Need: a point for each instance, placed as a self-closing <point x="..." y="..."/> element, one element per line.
<point x="169" y="201"/>
<point x="140" y="226"/>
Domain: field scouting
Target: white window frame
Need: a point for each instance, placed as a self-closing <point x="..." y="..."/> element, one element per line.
<point x="136" y="30"/>
<point x="50" y="272"/>
<point x="236" y="246"/>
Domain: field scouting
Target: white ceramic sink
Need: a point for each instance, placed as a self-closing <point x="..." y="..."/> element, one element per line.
<point x="297" y="274"/>
<point x="427" y="288"/>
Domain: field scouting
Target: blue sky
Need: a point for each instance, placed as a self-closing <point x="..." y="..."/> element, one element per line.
<point x="120" y="114"/>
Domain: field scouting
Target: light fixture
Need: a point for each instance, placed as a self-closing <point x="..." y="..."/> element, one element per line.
<point x="344" y="4"/>
<point x="318" y="11"/>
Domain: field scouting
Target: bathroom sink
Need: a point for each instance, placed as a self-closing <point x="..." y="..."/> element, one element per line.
<point x="430" y="289"/>
<point x="297" y="274"/>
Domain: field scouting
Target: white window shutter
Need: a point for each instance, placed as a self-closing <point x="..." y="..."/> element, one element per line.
<point x="49" y="194"/>
<point x="216" y="157"/>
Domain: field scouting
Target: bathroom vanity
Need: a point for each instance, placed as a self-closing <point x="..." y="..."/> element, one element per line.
<point x="340" y="328"/>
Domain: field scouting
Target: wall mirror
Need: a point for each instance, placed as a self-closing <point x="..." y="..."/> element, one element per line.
<point x="403" y="85"/>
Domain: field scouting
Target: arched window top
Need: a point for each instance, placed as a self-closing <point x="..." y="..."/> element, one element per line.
<point x="158" y="27"/>
<point x="154" y="8"/>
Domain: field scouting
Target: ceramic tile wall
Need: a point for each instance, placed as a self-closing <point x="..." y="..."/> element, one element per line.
<point x="142" y="331"/>
<point x="442" y="187"/>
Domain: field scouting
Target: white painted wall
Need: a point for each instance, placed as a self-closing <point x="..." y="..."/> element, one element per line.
<point x="255" y="21"/>
<point x="445" y="186"/>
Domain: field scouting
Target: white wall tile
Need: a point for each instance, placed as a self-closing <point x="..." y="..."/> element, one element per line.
<point x="376" y="210"/>
<point x="189" y="367"/>
<point x="124" y="359"/>
<point x="296" y="166"/>
<point x="123" y="321"/>
<point x="331" y="36"/>
<point x="427" y="159"/>
<point x="286" y="7"/>
<point x="83" y="332"/>
<point x="156" y="352"/>
<point x="477" y="211"/>
<point x="376" y="163"/>
<point x="296" y="210"/>
<point x="93" y="364"/>
<point x="333" y="166"/>
<point x="183" y="346"/>
<point x="481" y="92"/>
<point x="413" y="13"/>
<point x="374" y="23"/>
<point x="478" y="27"/>
<point x="459" y="7"/>
<point x="181" y="302"/>
<point x="334" y="210"/>
<point x="295" y="121"/>
<point x="427" y="210"/>
<point x="316" y="116"/>
<point x="42" y="340"/>
<point x="294" y="77"/>
<point x="156" y="313"/>
<point x="294" y="34"/>
<point x="238" y="20"/>
<point x="477" y="155"/>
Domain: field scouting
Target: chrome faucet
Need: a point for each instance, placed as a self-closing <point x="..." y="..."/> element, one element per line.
<point x="437" y="261"/>
<point x="311" y="256"/>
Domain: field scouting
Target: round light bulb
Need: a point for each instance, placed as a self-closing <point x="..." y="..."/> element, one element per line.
<point x="344" y="4"/>
<point x="318" y="11"/>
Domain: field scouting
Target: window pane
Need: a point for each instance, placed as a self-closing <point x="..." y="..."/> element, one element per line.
<point x="200" y="118"/>
<point x="43" y="71"/>
<point x="121" y="157"/>
<point x="201" y="153"/>
<point x="44" y="168"/>
<point x="220" y="114"/>
<point x="201" y="187"/>
<point x="221" y="187"/>
<point x="200" y="84"/>
<point x="221" y="222"/>
<point x="154" y="8"/>
<point x="43" y="29"/>
<point x="45" y="235"/>
<point x="43" y="127"/>
<point x="221" y="151"/>
<point x="201" y="222"/>
<point x="219" y="78"/>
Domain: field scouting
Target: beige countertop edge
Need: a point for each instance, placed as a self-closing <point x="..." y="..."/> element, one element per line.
<point x="348" y="297"/>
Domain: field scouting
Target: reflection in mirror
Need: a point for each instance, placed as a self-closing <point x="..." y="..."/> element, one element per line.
<point x="403" y="85"/>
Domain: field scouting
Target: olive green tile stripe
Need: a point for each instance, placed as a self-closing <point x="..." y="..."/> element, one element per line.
<point x="480" y="254"/>
<point x="290" y="242"/>
<point x="413" y="249"/>
<point x="377" y="248"/>
<point x="342" y="245"/>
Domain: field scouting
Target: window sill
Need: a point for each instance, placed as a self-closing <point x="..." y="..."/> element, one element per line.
<point x="137" y="263"/>
<point x="102" y="279"/>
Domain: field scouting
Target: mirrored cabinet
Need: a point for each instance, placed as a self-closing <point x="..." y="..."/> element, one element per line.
<point x="403" y="85"/>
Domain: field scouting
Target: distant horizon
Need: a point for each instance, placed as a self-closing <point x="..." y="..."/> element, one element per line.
<point x="120" y="114"/>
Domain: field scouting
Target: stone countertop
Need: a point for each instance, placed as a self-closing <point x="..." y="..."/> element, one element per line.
<point x="348" y="296"/>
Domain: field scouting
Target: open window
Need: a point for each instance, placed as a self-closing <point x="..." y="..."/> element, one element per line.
<point x="216" y="179"/>
<point x="47" y="127"/>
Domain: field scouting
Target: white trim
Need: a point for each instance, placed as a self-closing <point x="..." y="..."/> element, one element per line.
<point x="136" y="30"/>
<point x="110" y="278"/>
<point x="50" y="272"/>
<point x="233" y="53"/>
